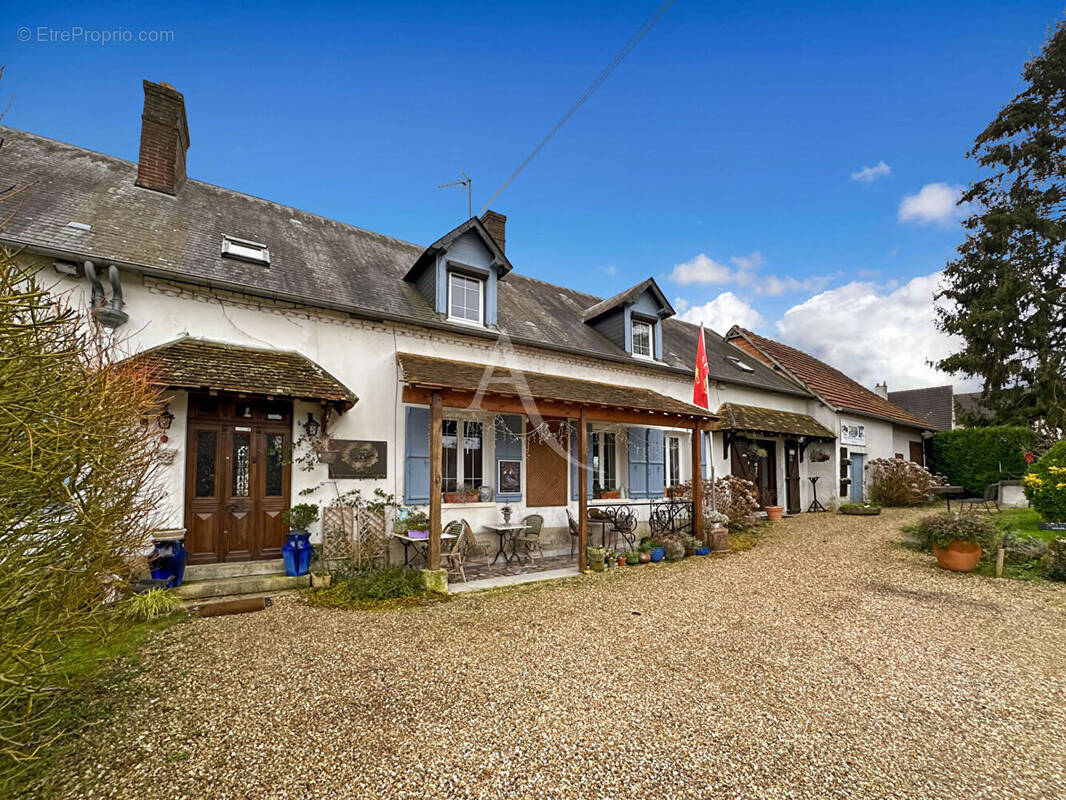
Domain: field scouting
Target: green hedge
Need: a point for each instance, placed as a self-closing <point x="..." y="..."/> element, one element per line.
<point x="976" y="457"/>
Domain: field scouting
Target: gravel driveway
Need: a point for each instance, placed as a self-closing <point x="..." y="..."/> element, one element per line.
<point x="828" y="662"/>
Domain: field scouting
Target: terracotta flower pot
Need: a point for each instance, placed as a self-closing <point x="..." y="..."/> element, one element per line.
<point x="621" y="561"/>
<point x="958" y="556"/>
<point x="644" y="558"/>
<point x="720" y="539"/>
<point x="773" y="513"/>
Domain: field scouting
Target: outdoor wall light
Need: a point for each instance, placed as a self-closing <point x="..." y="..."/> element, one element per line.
<point x="165" y="419"/>
<point x="311" y="426"/>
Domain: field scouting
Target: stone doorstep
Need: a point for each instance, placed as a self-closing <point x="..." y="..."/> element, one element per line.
<point x="241" y="586"/>
<point x="233" y="569"/>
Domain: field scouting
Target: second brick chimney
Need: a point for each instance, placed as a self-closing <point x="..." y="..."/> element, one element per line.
<point x="164" y="139"/>
<point x="496" y="225"/>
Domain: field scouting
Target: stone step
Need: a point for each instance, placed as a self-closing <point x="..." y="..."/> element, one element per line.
<point x="233" y="569"/>
<point x="241" y="585"/>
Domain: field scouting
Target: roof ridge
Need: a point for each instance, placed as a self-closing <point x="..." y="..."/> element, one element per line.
<point x="216" y="187"/>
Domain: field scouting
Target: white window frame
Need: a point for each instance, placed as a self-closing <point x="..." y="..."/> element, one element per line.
<point x="460" y="435"/>
<point x="480" y="321"/>
<point x="670" y="478"/>
<point x="601" y="462"/>
<point x="245" y="250"/>
<point x="650" y="356"/>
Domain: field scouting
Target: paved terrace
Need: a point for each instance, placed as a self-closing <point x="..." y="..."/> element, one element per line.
<point x="827" y="662"/>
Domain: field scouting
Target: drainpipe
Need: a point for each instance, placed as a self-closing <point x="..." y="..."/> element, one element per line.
<point x="109" y="315"/>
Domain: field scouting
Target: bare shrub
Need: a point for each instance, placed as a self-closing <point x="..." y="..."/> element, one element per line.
<point x="732" y="496"/>
<point x="896" y="482"/>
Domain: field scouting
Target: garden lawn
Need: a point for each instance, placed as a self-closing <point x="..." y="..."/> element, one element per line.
<point x="1024" y="520"/>
<point x="828" y="661"/>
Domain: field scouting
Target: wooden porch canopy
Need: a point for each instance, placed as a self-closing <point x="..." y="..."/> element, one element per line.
<point x="439" y="382"/>
<point x="737" y="419"/>
<point x="202" y="365"/>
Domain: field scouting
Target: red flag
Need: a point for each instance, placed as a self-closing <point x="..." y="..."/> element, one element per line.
<point x="700" y="395"/>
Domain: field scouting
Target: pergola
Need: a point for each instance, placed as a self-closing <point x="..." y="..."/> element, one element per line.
<point x="441" y="383"/>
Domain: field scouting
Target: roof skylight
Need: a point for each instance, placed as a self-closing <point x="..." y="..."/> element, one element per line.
<point x="736" y="362"/>
<point x="245" y="250"/>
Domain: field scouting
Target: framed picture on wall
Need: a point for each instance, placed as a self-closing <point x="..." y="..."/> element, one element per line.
<point x="509" y="476"/>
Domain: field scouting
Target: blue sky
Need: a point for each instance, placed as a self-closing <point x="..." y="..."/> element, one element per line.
<point x="731" y="132"/>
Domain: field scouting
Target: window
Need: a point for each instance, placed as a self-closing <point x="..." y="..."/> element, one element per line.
<point x="465" y="298"/>
<point x="672" y="445"/>
<point x="736" y="362"/>
<point x="245" y="250"/>
<point x="466" y="471"/>
<point x="604" y="463"/>
<point x="642" y="339"/>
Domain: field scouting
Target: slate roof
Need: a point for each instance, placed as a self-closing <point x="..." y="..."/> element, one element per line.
<point x="766" y="420"/>
<point x="439" y="373"/>
<point x="969" y="404"/>
<point x="198" y="364"/>
<point x="313" y="260"/>
<point x="630" y="295"/>
<point x="934" y="404"/>
<point x="832" y="385"/>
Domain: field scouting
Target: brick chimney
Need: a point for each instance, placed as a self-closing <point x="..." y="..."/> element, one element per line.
<point x="496" y="225"/>
<point x="164" y="139"/>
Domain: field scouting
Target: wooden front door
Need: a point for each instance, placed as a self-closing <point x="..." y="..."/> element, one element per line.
<point x="546" y="469"/>
<point x="237" y="479"/>
<point x="759" y="469"/>
<point x="917" y="453"/>
<point x="792" y="476"/>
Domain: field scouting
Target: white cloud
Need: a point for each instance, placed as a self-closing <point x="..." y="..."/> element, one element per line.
<point x="723" y="312"/>
<point x="680" y="305"/>
<point x="701" y="269"/>
<point x="610" y="270"/>
<point x="705" y="270"/>
<point x="935" y="202"/>
<point x="873" y="333"/>
<point x="871" y="174"/>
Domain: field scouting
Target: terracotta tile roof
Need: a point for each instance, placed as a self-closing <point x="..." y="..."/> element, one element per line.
<point x="832" y="385"/>
<point x="428" y="372"/>
<point x="767" y="420"/>
<point x="197" y="364"/>
<point x="933" y="404"/>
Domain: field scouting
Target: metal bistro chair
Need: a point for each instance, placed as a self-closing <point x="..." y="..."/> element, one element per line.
<point x="529" y="539"/>
<point x="991" y="496"/>
<point x="575" y="531"/>
<point x="625" y="525"/>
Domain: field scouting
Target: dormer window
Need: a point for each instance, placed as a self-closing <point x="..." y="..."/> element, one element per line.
<point x="642" y="339"/>
<point x="245" y="250"/>
<point x="466" y="299"/>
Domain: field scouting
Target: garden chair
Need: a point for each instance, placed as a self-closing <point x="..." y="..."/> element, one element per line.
<point x="991" y="496"/>
<point x="451" y="557"/>
<point x="575" y="531"/>
<point x="625" y="525"/>
<point x="474" y="552"/>
<point x="529" y="539"/>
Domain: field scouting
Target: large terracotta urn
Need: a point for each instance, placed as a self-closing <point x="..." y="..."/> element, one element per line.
<point x="958" y="556"/>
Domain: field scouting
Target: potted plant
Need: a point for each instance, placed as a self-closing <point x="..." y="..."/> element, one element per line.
<point x="320" y="575"/>
<point x="596" y="558"/>
<point x="674" y="549"/>
<point x="644" y="557"/>
<point x="957" y="540"/>
<point x="414" y="524"/>
<point x="632" y="558"/>
<point x="611" y="494"/>
<point x="690" y="545"/>
<point x="296" y="552"/>
<point x="859" y="509"/>
<point x="719" y="531"/>
<point x="774" y="513"/>
<point x="610" y="558"/>
<point x="702" y="550"/>
<point x="506" y="512"/>
<point x="658" y="552"/>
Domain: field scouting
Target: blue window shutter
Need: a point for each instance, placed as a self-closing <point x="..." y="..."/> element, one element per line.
<point x="637" y="451"/>
<point x="508" y="447"/>
<point x="416" y="457"/>
<point x="574" y="461"/>
<point x="656" y="463"/>
<point x="706" y="451"/>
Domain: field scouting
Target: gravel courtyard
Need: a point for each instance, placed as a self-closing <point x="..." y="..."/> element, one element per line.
<point x="828" y="662"/>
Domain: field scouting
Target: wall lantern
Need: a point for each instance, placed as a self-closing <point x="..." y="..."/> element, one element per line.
<point x="165" y="419"/>
<point x="311" y="426"/>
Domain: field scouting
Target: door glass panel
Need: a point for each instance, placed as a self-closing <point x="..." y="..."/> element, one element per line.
<point x="241" y="456"/>
<point x="275" y="457"/>
<point x="275" y="411"/>
<point x="242" y="409"/>
<point x="205" y="463"/>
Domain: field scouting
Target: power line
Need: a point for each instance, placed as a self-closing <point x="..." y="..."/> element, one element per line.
<point x="619" y="57"/>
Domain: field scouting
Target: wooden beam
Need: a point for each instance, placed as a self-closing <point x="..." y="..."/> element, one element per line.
<point x="697" y="483"/>
<point x="508" y="404"/>
<point x="582" y="491"/>
<point x="436" y="417"/>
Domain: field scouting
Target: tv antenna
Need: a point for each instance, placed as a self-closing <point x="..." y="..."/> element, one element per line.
<point x="466" y="182"/>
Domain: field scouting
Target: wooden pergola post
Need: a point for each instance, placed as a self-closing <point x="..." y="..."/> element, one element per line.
<point x="697" y="482"/>
<point x="582" y="491"/>
<point x="436" y="418"/>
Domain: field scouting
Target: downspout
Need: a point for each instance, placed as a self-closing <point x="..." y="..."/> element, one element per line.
<point x="109" y="315"/>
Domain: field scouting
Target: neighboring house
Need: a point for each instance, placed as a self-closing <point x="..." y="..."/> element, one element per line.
<point x="935" y="405"/>
<point x="869" y="425"/>
<point x="265" y="323"/>
<point x="968" y="406"/>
